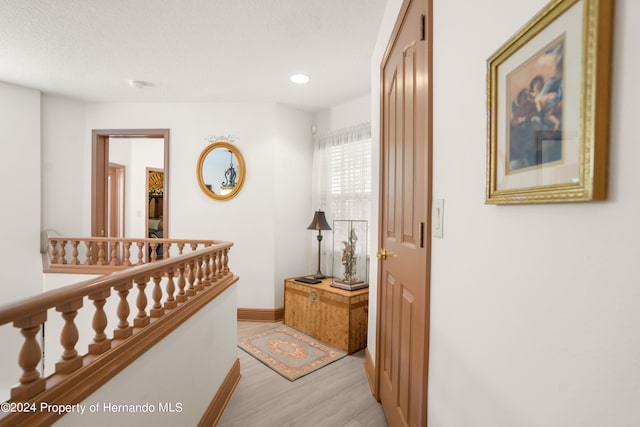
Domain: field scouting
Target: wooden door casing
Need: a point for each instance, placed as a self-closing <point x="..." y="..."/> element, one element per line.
<point x="100" y="170"/>
<point x="405" y="218"/>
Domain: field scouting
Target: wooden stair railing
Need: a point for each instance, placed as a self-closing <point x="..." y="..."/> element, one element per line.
<point x="76" y="376"/>
<point x="99" y="255"/>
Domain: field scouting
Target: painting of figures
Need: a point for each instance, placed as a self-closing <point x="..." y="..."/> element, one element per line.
<point x="535" y="93"/>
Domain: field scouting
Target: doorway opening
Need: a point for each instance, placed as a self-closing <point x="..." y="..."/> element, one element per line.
<point x="154" y="212"/>
<point x="101" y="216"/>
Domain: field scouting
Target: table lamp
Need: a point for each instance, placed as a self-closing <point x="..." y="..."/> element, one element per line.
<point x="319" y="222"/>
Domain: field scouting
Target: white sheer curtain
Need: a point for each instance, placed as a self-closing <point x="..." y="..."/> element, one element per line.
<point x="342" y="180"/>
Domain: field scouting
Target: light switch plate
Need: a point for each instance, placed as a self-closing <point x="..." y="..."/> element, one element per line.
<point x="437" y="218"/>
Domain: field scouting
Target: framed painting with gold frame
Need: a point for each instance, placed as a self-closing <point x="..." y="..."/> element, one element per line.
<point x="548" y="107"/>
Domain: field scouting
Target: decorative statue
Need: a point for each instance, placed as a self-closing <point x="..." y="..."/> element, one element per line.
<point x="349" y="259"/>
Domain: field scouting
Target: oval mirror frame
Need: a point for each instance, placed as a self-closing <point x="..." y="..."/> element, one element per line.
<point x="221" y="149"/>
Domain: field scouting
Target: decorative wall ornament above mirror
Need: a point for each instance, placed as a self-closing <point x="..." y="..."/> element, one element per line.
<point x="221" y="169"/>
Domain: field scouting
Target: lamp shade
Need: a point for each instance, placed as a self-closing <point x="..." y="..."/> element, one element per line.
<point x="319" y="222"/>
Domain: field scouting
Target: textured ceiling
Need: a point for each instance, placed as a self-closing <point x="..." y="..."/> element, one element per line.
<point x="191" y="50"/>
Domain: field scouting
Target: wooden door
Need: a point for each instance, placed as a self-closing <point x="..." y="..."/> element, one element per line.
<point x="116" y="200"/>
<point x="405" y="220"/>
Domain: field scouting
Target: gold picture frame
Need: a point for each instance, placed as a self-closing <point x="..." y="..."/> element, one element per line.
<point x="548" y="107"/>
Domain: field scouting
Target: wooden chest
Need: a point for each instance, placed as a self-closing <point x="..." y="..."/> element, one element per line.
<point x="334" y="316"/>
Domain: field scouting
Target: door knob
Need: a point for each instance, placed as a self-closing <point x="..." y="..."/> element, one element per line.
<point x="382" y="254"/>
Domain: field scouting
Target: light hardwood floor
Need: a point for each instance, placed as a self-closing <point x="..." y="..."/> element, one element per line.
<point x="337" y="395"/>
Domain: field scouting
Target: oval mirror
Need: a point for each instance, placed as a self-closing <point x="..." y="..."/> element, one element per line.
<point x="220" y="171"/>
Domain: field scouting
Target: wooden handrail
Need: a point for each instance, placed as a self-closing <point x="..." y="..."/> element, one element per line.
<point x="204" y="269"/>
<point x="42" y="302"/>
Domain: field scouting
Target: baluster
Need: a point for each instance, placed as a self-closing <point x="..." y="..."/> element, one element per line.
<point x="140" y="252"/>
<point x="100" y="342"/>
<point x="199" y="273"/>
<point x="191" y="290"/>
<point x="157" y="309"/>
<point x="196" y="285"/>
<point x="30" y="382"/>
<point x="114" y="253"/>
<point x="54" y="251"/>
<point x="225" y="262"/>
<point x="74" y="252"/>
<point x="165" y="250"/>
<point x="62" y="255"/>
<point x="180" y="248"/>
<point x="89" y="254"/>
<point x="124" y="329"/>
<point x="127" y="253"/>
<point x="207" y="270"/>
<point x="182" y="296"/>
<point x="217" y="265"/>
<point x="69" y="337"/>
<point x="170" y="302"/>
<point x="141" y="319"/>
<point x="101" y="252"/>
<point x="154" y="255"/>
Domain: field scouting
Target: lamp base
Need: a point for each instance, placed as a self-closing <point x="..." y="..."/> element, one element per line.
<point x="319" y="276"/>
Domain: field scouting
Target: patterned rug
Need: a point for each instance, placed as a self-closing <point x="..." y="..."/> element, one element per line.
<point x="290" y="353"/>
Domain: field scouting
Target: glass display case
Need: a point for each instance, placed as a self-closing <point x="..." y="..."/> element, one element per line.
<point x="350" y="256"/>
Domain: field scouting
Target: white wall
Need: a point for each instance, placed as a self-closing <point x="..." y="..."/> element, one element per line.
<point x="185" y="369"/>
<point x="20" y="259"/>
<point x="346" y="115"/>
<point x="267" y="134"/>
<point x="293" y="142"/>
<point x="20" y="190"/>
<point x="66" y="175"/>
<point x="534" y="309"/>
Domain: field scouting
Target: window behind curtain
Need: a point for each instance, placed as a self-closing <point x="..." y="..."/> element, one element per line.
<point x="342" y="179"/>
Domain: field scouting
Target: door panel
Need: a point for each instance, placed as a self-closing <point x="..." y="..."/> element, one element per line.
<point x="404" y="381"/>
<point x="408" y="148"/>
<point x="390" y="152"/>
<point x="405" y="214"/>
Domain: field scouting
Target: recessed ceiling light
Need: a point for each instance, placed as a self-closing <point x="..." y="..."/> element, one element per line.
<point x="300" y="78"/>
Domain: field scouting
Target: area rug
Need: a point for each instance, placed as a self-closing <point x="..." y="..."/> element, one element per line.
<point x="290" y="353"/>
